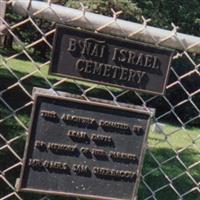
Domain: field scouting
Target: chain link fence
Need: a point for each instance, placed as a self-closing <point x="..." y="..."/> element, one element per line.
<point x="172" y="162"/>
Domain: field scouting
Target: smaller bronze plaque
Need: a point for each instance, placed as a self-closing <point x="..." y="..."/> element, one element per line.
<point x="84" y="149"/>
<point x="109" y="60"/>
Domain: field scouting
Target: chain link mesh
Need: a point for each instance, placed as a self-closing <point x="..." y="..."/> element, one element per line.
<point x="172" y="162"/>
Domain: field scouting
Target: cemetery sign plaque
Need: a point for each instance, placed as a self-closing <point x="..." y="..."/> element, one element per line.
<point x="84" y="149"/>
<point x="104" y="59"/>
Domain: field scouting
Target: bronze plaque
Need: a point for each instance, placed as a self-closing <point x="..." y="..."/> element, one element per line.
<point x="99" y="58"/>
<point x="84" y="149"/>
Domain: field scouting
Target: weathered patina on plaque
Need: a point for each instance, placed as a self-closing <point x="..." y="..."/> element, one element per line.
<point x="109" y="60"/>
<point x="84" y="149"/>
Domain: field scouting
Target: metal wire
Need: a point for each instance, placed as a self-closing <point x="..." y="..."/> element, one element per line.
<point x="162" y="153"/>
<point x="110" y="25"/>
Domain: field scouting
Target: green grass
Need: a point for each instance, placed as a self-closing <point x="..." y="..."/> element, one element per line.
<point x="162" y="146"/>
<point x="26" y="67"/>
<point x="176" y="136"/>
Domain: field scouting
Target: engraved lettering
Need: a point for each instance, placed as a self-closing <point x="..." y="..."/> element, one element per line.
<point x="131" y="58"/>
<point x="122" y="156"/>
<point x="115" y="70"/>
<point x="132" y="75"/>
<point x="99" y="153"/>
<point x="148" y="61"/>
<point x="113" y="173"/>
<point x="123" y="55"/>
<point x="48" y="114"/>
<point x="124" y="74"/>
<point x="140" y="60"/>
<point x="77" y="134"/>
<point x="38" y="163"/>
<point x="156" y="63"/>
<point x="40" y="145"/>
<point x="97" y="69"/>
<point x="109" y="71"/>
<point x="72" y="45"/>
<point x="140" y="76"/>
<point x="78" y="119"/>
<point x="89" y="67"/>
<point x="62" y="147"/>
<point x="102" y="51"/>
<point x="96" y="51"/>
<point x="81" y="170"/>
<point x="102" y="139"/>
<point x="138" y="130"/>
<point x="111" y="124"/>
<point x="85" y="150"/>
<point x="115" y="54"/>
<point x="93" y="47"/>
<point x="35" y="163"/>
<point x="80" y="65"/>
<point x="86" y="48"/>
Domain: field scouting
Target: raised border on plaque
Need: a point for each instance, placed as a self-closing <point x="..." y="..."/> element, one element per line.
<point x="100" y="104"/>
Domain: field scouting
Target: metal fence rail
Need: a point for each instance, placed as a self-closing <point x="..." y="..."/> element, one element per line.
<point x="172" y="162"/>
<point x="100" y="23"/>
